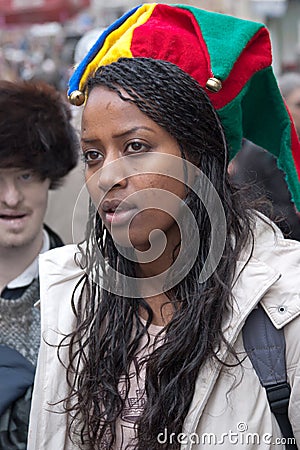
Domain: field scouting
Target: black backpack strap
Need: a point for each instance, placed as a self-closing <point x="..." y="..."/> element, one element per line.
<point x="265" y="346"/>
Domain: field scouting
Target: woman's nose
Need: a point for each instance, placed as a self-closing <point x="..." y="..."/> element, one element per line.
<point x="113" y="174"/>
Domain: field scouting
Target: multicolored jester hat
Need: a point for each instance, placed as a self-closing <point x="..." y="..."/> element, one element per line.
<point x="229" y="57"/>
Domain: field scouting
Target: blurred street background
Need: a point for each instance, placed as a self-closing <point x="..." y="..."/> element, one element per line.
<point x="38" y="37"/>
<point x="43" y="39"/>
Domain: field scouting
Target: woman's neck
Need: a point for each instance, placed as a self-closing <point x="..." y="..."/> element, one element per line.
<point x="162" y="309"/>
<point x="152" y="276"/>
<point x="160" y="256"/>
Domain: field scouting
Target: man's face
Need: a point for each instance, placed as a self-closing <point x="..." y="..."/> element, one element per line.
<point x="23" y="203"/>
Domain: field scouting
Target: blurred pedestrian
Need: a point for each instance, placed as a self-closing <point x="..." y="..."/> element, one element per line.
<point x="73" y="197"/>
<point x="289" y="84"/>
<point x="38" y="147"/>
<point x="256" y="169"/>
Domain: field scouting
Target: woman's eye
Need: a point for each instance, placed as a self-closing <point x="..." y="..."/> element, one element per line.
<point x="92" y="156"/>
<point x="137" y="147"/>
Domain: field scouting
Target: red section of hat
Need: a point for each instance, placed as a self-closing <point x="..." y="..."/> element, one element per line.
<point x="255" y="57"/>
<point x="172" y="34"/>
<point x="295" y="144"/>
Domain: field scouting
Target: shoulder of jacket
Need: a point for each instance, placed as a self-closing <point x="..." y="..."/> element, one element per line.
<point x="270" y="246"/>
<point x="282" y="301"/>
<point x="60" y="264"/>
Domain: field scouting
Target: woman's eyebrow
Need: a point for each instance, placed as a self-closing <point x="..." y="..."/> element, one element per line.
<point x="90" y="140"/>
<point x="96" y="140"/>
<point x="132" y="130"/>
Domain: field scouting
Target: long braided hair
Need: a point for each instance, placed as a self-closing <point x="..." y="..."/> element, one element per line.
<point x="109" y="331"/>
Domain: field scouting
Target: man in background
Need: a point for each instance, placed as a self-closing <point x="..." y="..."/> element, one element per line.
<point x="257" y="170"/>
<point x="289" y="84"/>
<point x="38" y="147"/>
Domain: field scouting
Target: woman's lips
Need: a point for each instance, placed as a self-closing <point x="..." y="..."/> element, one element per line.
<point x="119" y="216"/>
<point x="117" y="211"/>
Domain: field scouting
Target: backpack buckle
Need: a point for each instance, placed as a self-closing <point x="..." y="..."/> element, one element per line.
<point x="278" y="396"/>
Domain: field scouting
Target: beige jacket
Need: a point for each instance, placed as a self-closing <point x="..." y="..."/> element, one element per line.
<point x="229" y="409"/>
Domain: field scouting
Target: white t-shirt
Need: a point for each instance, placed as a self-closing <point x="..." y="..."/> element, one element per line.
<point x="32" y="271"/>
<point x="135" y="402"/>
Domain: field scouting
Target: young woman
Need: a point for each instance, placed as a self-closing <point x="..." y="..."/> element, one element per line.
<point x="138" y="351"/>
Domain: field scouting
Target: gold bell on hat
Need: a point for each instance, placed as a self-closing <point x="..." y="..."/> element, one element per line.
<point x="213" y="84"/>
<point x="77" y="98"/>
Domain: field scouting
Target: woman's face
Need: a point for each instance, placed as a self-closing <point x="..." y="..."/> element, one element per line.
<point x="128" y="159"/>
